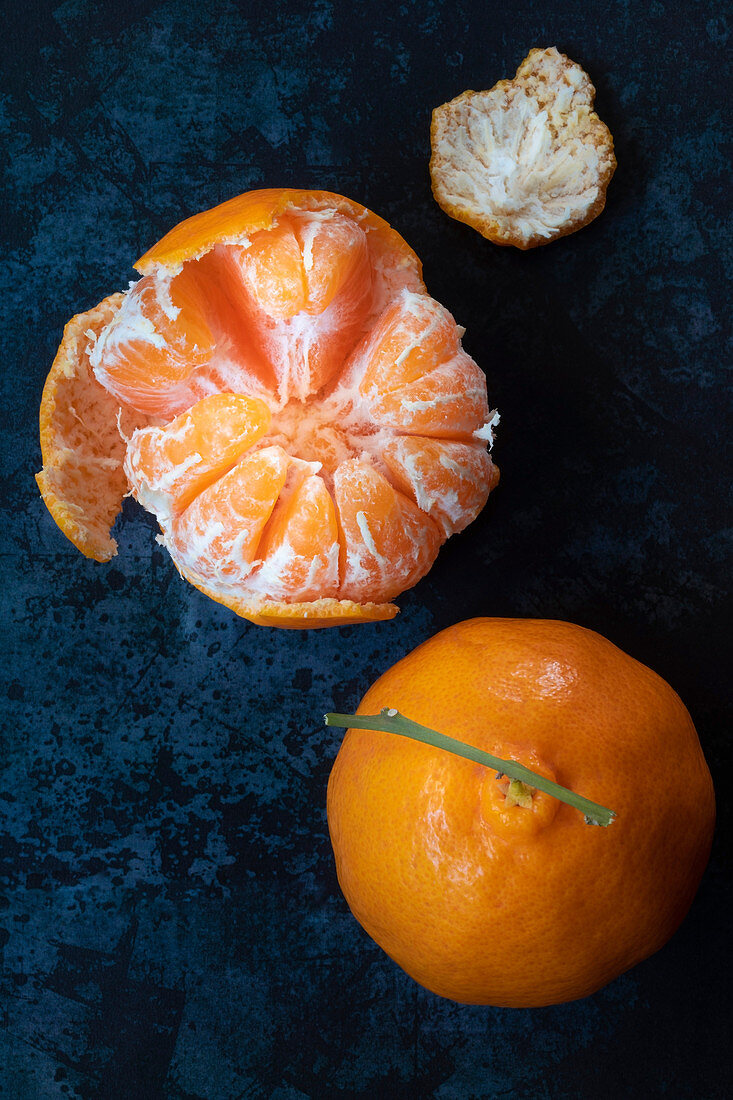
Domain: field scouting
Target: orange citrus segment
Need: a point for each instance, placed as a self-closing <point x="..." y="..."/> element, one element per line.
<point x="335" y="259"/>
<point x="154" y="342"/>
<point x="450" y="481"/>
<point x="216" y="537"/>
<point x="176" y="339"/>
<point x="272" y="268"/>
<point x="414" y="374"/>
<point x="300" y="547"/>
<point x="306" y="292"/>
<point x="387" y="543"/>
<point x="167" y="467"/>
<point x="411" y="338"/>
<point x="449" y="401"/>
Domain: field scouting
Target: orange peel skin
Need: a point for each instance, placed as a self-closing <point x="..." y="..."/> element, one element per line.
<point x="313" y="615"/>
<point x="256" y="210"/>
<point x="280" y="391"/>
<point x="322" y="613"/>
<point x="82" y="481"/>
<point x="527" y="161"/>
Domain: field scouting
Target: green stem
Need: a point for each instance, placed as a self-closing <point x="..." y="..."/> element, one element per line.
<point x="390" y="720"/>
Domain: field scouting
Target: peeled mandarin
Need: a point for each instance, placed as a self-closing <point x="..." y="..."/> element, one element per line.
<point x="281" y="352"/>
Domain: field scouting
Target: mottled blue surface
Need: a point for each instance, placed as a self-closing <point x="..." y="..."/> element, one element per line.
<point x="170" y="922"/>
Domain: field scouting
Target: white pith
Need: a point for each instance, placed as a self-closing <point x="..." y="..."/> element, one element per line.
<point x="346" y="412"/>
<point x="527" y="159"/>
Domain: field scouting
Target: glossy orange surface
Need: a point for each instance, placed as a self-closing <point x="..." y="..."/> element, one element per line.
<point x="488" y="902"/>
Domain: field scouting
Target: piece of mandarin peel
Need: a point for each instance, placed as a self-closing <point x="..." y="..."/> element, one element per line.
<point x="528" y="160"/>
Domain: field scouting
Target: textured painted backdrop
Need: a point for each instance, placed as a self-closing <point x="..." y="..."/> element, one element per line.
<point x="170" y="921"/>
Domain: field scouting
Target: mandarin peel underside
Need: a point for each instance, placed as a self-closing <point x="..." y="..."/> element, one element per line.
<point x="81" y="433"/>
<point x="527" y="161"/>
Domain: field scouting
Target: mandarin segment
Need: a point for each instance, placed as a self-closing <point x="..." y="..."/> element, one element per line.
<point x="178" y="338"/>
<point x="279" y="350"/>
<point x="157" y="339"/>
<point x="449" y="401"/>
<point x="416" y="377"/>
<point x="307" y="322"/>
<point x="335" y="260"/>
<point x="217" y="536"/>
<point x="168" y="466"/>
<point x="450" y="481"/>
<point x="300" y="548"/>
<point x="410" y="339"/>
<point x="387" y="543"/>
<point x="271" y="265"/>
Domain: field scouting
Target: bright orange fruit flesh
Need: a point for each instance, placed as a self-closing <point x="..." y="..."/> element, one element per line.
<point x="315" y="429"/>
<point x="485" y="901"/>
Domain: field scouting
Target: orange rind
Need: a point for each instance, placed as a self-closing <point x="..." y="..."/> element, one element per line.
<point x="82" y="481"/>
<point x="527" y="161"/>
<point x="256" y="210"/>
<point x="306" y="426"/>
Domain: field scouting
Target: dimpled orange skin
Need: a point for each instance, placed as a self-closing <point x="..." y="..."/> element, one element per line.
<point x="256" y="210"/>
<point x="486" y="903"/>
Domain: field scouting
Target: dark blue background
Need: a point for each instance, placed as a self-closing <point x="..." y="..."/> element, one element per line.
<point x="170" y="921"/>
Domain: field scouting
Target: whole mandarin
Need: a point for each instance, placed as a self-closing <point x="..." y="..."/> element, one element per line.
<point x="485" y="900"/>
